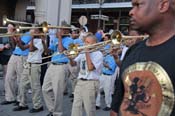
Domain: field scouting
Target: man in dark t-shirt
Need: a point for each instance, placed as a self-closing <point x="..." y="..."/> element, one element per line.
<point x="146" y="83"/>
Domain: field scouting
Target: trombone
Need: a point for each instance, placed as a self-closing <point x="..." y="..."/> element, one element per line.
<point x="116" y="39"/>
<point x="45" y="27"/>
<point x="21" y="34"/>
<point x="32" y="34"/>
<point x="120" y="37"/>
<point x="3" y="28"/>
<point x="6" y="20"/>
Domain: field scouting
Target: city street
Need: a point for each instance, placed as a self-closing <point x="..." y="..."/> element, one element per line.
<point x="6" y="110"/>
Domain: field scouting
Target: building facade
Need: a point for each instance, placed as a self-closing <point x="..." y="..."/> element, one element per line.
<point x="37" y="11"/>
<point x="116" y="12"/>
<point x="107" y="14"/>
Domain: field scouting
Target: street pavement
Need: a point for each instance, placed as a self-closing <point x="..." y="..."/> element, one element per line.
<point x="6" y="110"/>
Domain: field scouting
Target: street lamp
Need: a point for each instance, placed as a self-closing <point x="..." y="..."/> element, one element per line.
<point x="100" y="4"/>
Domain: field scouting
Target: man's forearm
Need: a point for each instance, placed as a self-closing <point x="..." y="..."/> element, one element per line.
<point x="23" y="47"/>
<point x="89" y="62"/>
<point x="32" y="48"/>
<point x="60" y="46"/>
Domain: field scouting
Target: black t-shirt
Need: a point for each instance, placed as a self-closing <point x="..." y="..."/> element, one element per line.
<point x="159" y="57"/>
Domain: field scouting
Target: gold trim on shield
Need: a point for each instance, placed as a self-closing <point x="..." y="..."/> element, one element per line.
<point x="164" y="81"/>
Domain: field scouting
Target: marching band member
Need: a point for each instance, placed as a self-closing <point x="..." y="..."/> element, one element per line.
<point x="74" y="70"/>
<point x="88" y="80"/>
<point x="31" y="75"/>
<point x="108" y="71"/>
<point x="106" y="79"/>
<point x="54" y="80"/>
<point x="15" y="68"/>
<point x="6" y="48"/>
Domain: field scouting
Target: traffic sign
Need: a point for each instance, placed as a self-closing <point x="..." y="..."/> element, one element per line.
<point x="102" y="17"/>
<point x="83" y="20"/>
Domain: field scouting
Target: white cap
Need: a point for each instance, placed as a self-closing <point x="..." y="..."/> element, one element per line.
<point x="74" y="28"/>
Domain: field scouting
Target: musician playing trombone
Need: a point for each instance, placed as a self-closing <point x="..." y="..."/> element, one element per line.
<point x="107" y="77"/>
<point x="15" y="68"/>
<point x="54" y="80"/>
<point x="74" y="70"/>
<point x="88" y="79"/>
<point x="31" y="74"/>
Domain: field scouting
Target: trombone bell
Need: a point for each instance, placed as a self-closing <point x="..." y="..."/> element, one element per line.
<point x="116" y="37"/>
<point x="44" y="27"/>
<point x="72" y="52"/>
<point x="4" y="20"/>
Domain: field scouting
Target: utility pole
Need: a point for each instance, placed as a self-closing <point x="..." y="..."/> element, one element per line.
<point x="100" y="12"/>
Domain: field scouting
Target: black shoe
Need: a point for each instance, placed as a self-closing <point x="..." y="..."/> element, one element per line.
<point x="106" y="109"/>
<point x="72" y="100"/>
<point x="65" y="93"/>
<point x="7" y="102"/>
<point x="20" y="108"/>
<point x="16" y="103"/>
<point x="97" y="107"/>
<point x="50" y="114"/>
<point x="71" y="96"/>
<point x="102" y="93"/>
<point x="33" y="110"/>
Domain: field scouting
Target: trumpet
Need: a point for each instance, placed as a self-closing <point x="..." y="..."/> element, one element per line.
<point x="6" y="20"/>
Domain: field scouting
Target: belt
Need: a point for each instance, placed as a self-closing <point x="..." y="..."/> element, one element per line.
<point x="82" y="79"/>
<point x="106" y="74"/>
<point x="59" y="63"/>
<point x="16" y="54"/>
<point x="33" y="63"/>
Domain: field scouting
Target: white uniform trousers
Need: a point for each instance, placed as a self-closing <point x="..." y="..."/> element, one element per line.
<point x="53" y="88"/>
<point x="73" y="74"/>
<point x="85" y="95"/>
<point x="31" y="79"/>
<point x="14" y="71"/>
<point x="106" y="83"/>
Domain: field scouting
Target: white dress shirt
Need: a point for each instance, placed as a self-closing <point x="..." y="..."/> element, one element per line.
<point x="97" y="60"/>
<point x="36" y="56"/>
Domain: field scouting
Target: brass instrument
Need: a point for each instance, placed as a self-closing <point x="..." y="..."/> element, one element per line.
<point x="32" y="34"/>
<point x="120" y="37"/>
<point x="3" y="27"/>
<point x="115" y="41"/>
<point x="45" y="26"/>
<point x="21" y="34"/>
<point x="20" y="28"/>
<point x="6" y="20"/>
<point x="74" y="50"/>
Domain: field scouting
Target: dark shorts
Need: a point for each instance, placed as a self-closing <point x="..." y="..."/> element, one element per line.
<point x="4" y="59"/>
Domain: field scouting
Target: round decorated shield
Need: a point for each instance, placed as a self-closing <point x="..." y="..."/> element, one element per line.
<point x="148" y="91"/>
